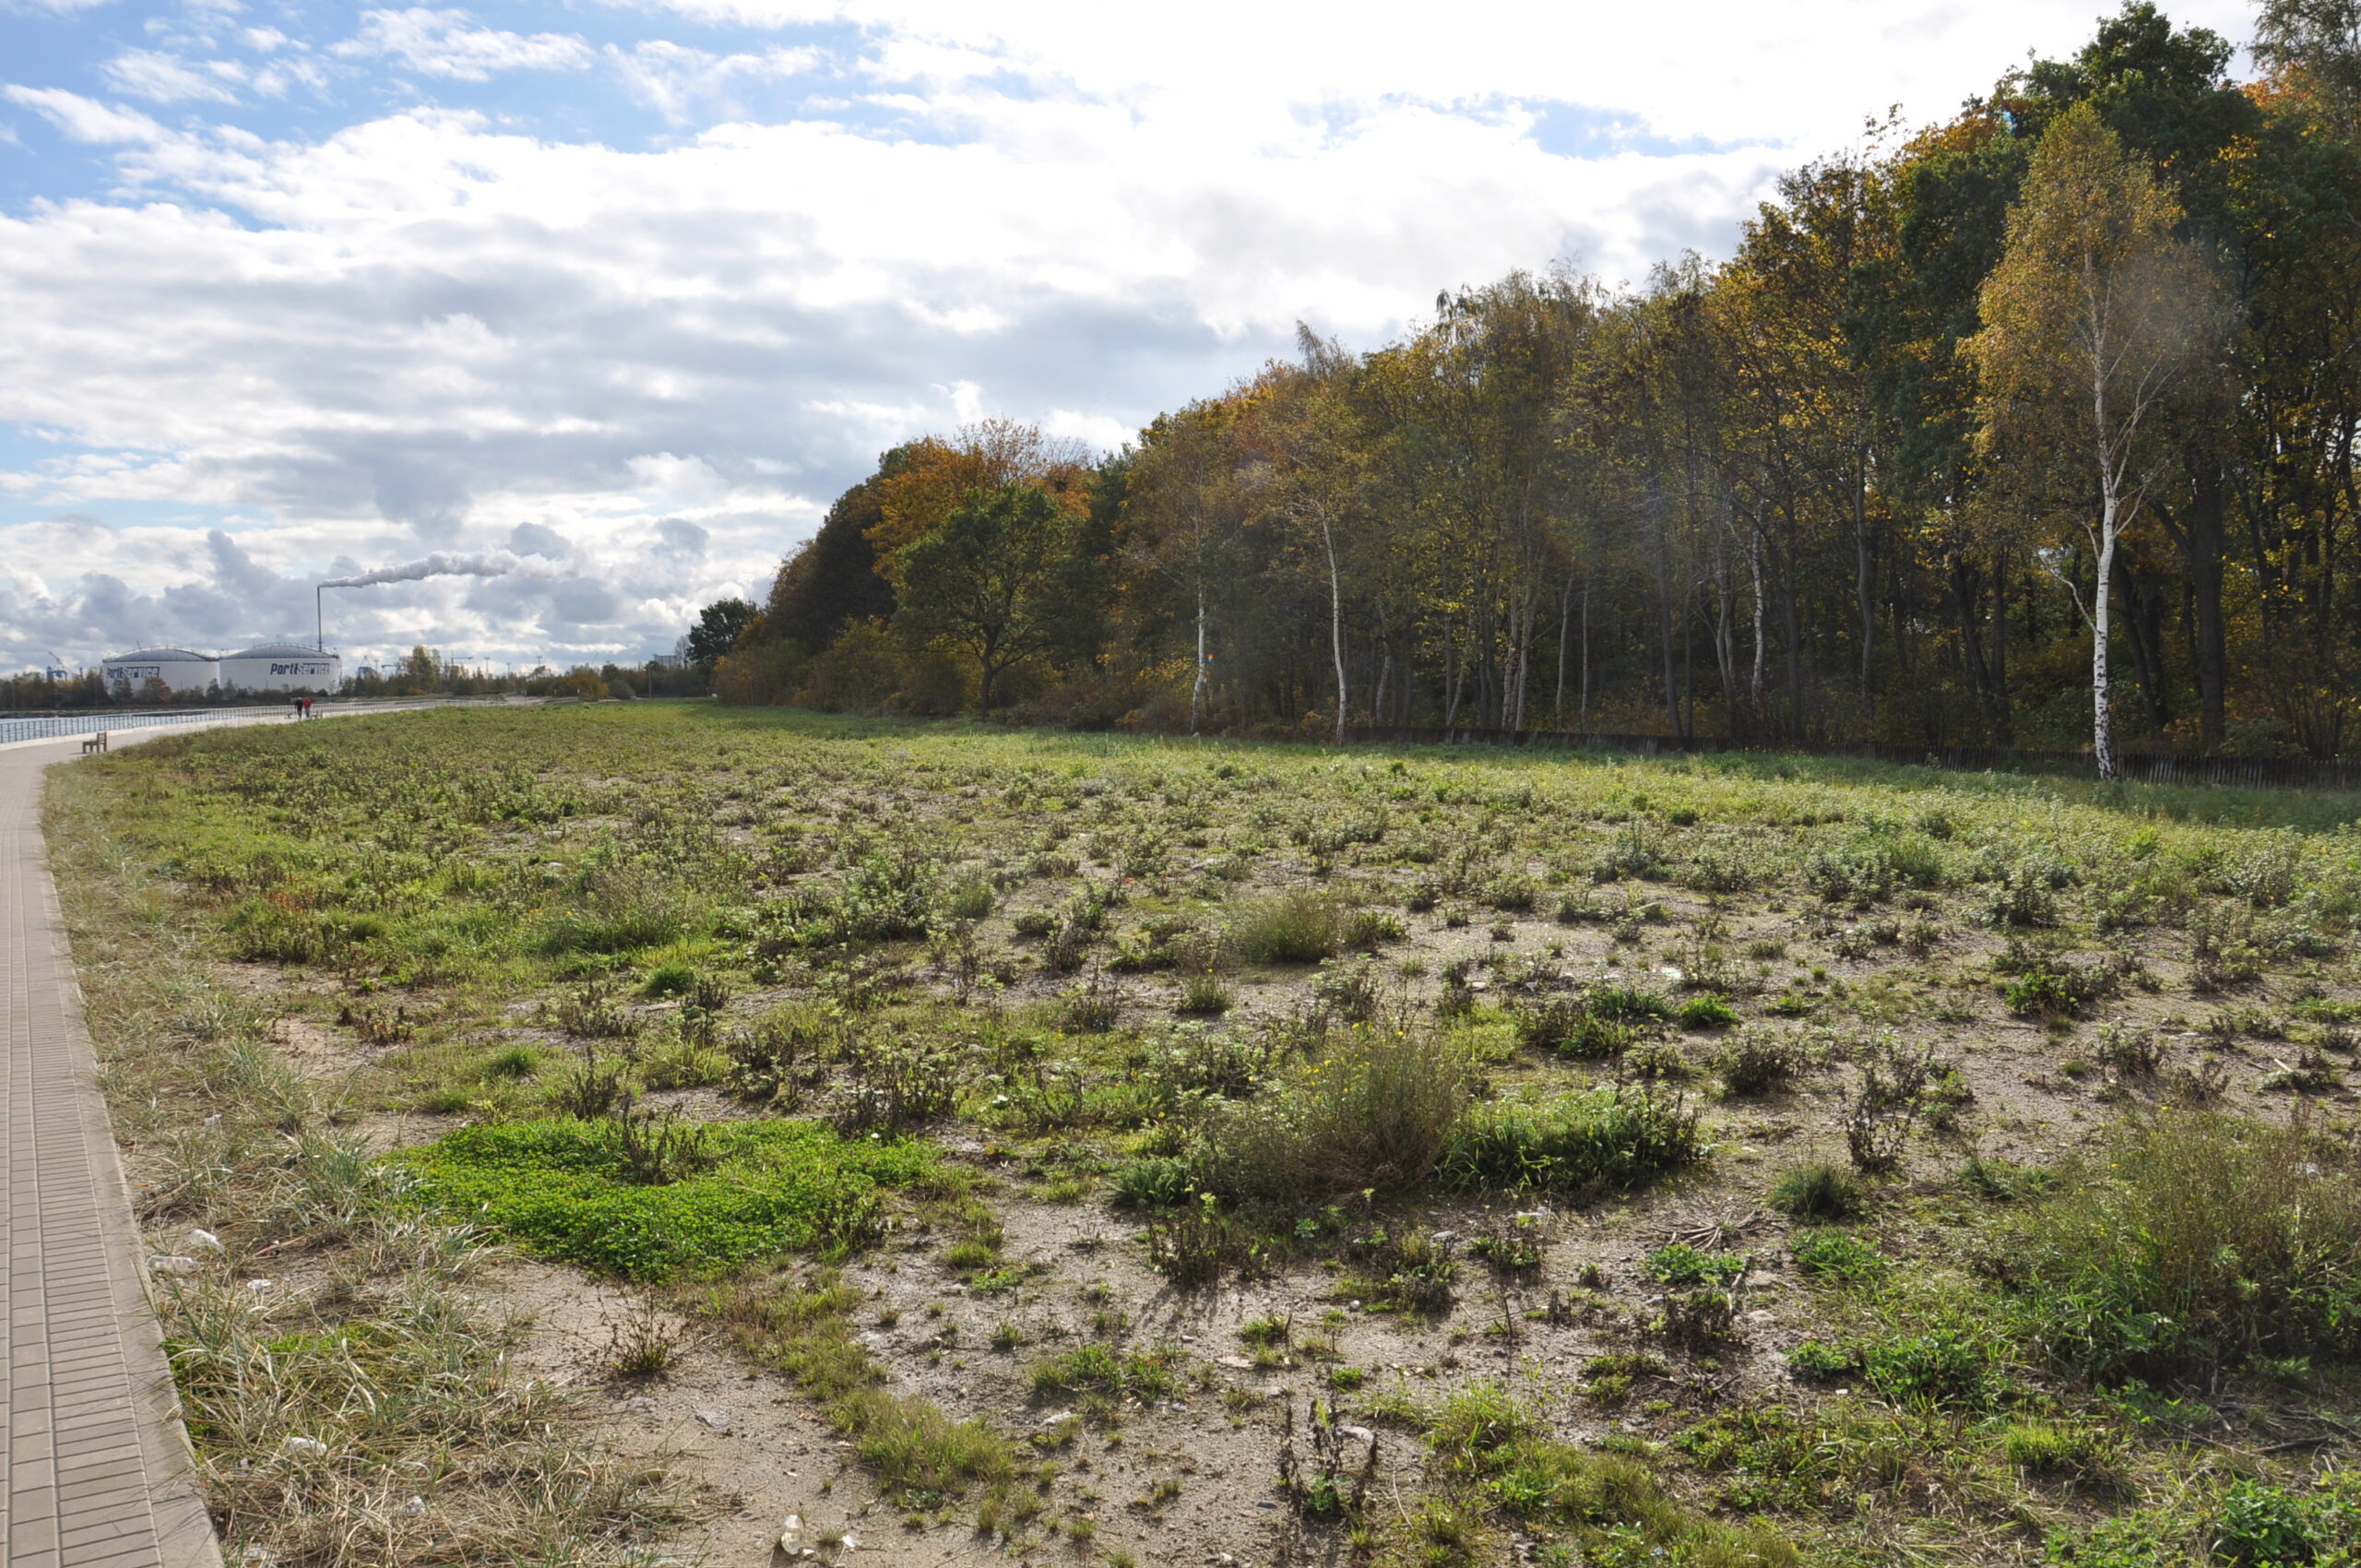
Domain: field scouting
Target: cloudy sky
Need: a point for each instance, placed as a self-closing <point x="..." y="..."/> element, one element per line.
<point x="292" y="291"/>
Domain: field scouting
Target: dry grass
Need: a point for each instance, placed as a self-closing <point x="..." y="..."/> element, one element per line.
<point x="357" y="1407"/>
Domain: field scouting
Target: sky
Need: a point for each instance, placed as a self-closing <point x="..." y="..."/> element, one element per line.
<point x="633" y="290"/>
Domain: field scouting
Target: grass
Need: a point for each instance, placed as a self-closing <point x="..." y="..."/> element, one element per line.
<point x="1613" y="1506"/>
<point x="722" y="992"/>
<point x="562" y="1188"/>
<point x="1293" y="928"/>
<point x="1602" y="1140"/>
<point x="1373" y="1112"/>
<point x="2196" y="1239"/>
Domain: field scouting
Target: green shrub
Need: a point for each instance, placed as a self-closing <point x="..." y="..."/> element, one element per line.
<point x="1293" y="928"/>
<point x="1568" y="1026"/>
<point x="1818" y="1189"/>
<point x="1203" y="997"/>
<point x="1682" y="1266"/>
<point x="2197" y="1238"/>
<point x="668" y="979"/>
<point x="562" y="1188"/>
<point x="1602" y="1140"/>
<point x="1153" y="1181"/>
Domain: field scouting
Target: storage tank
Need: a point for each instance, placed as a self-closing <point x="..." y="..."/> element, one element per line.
<point x="186" y="673"/>
<point x="281" y="667"/>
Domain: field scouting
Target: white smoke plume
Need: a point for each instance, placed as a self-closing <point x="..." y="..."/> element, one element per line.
<point x="447" y="563"/>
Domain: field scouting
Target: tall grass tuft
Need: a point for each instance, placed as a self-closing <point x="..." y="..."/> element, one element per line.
<point x="1375" y="1112"/>
<point x="1293" y="928"/>
<point x="2197" y="1239"/>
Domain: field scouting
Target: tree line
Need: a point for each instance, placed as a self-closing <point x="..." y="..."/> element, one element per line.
<point x="2033" y="428"/>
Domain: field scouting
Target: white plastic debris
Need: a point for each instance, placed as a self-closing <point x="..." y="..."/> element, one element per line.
<point x="260" y="1287"/>
<point x="717" y="1419"/>
<point x="790" y="1535"/>
<point x="413" y="1509"/>
<point x="172" y="1265"/>
<point x="205" y="1240"/>
<point x="850" y="1542"/>
<point x="310" y="1447"/>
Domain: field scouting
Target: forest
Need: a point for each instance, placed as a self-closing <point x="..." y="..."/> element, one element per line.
<point x="2030" y="429"/>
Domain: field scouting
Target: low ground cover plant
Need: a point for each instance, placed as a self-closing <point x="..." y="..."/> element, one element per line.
<point x="563" y="1188"/>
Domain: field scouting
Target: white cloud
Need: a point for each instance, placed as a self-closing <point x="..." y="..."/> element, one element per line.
<point x="85" y="119"/>
<point x="165" y="78"/>
<point x="674" y="80"/>
<point x="449" y="44"/>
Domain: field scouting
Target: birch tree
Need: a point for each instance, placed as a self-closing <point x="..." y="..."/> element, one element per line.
<point x="2090" y="315"/>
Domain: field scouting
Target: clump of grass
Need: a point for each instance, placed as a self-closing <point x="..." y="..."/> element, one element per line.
<point x="1612" y="1506"/>
<point x="1706" y="1013"/>
<point x="566" y="1189"/>
<point x="1818" y="1189"/>
<point x="1570" y="1027"/>
<point x="1143" y="1375"/>
<point x="1827" y="1252"/>
<point x="1291" y="928"/>
<point x="1602" y="1140"/>
<point x="1203" y="997"/>
<point x="421" y="1400"/>
<point x="1373" y="1113"/>
<point x="2194" y="1238"/>
<point x="1367" y="930"/>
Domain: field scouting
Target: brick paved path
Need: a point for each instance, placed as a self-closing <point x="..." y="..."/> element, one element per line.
<point x="96" y="1469"/>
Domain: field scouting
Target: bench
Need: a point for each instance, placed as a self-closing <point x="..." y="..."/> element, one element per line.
<point x="97" y="742"/>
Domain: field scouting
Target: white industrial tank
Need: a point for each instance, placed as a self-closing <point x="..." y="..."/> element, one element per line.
<point x="184" y="672"/>
<point x="281" y="667"/>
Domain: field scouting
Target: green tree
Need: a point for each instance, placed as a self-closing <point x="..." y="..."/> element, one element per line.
<point x="2092" y="311"/>
<point x="983" y="582"/>
<point x="716" y="632"/>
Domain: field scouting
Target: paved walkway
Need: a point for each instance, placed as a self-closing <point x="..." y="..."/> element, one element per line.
<point x="96" y="1473"/>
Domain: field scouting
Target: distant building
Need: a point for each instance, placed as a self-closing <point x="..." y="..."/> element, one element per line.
<point x="281" y="667"/>
<point x="183" y="672"/>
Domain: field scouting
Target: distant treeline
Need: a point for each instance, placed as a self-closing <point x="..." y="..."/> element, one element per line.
<point x="421" y="672"/>
<point x="2087" y="355"/>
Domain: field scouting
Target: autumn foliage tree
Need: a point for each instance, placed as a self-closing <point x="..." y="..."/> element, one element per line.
<point x="2035" y="427"/>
